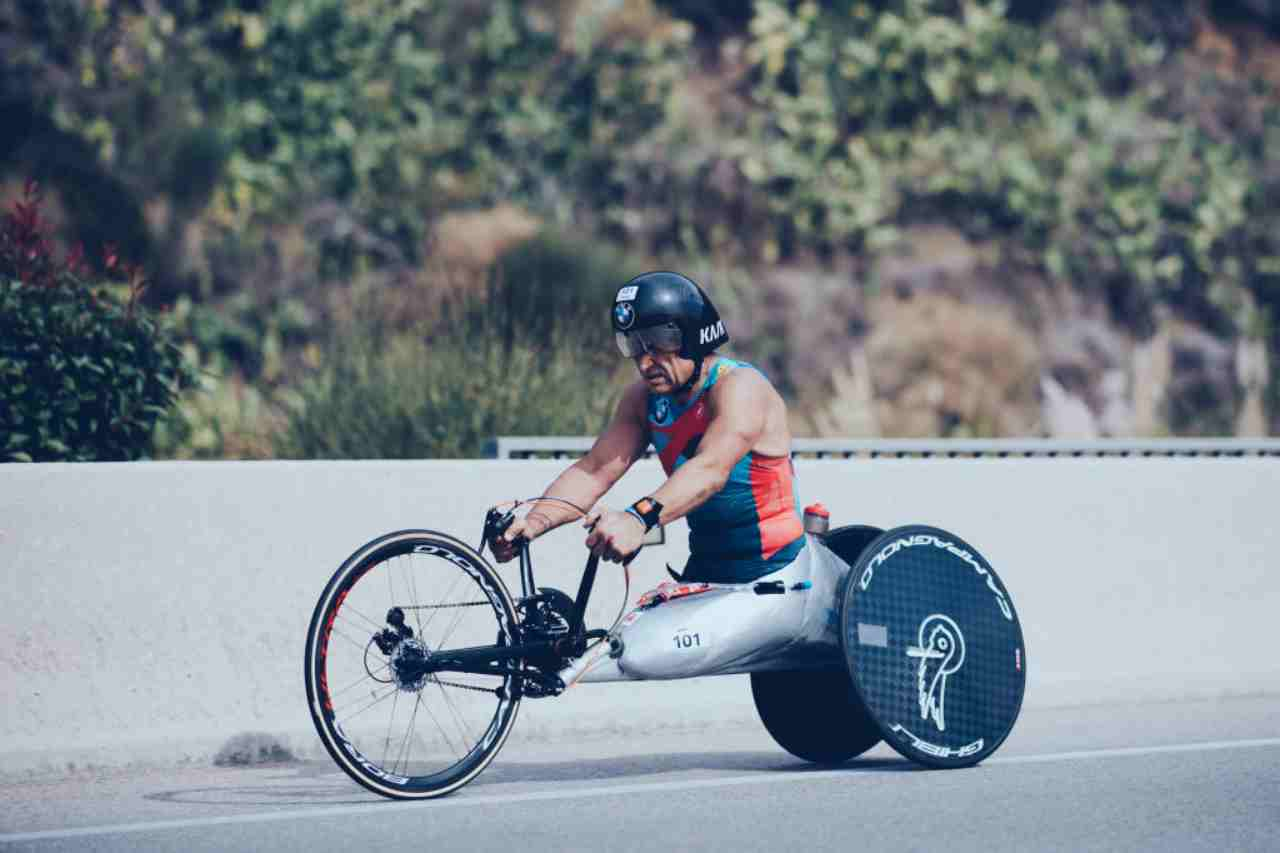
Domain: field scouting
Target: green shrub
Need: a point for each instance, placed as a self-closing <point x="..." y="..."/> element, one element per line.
<point x="442" y="397"/>
<point x="84" y="375"/>
<point x="532" y="355"/>
<point x="554" y="288"/>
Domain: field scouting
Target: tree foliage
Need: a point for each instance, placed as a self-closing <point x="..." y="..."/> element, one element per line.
<point x="359" y="118"/>
<point x="261" y="153"/>
<point x="1109" y="161"/>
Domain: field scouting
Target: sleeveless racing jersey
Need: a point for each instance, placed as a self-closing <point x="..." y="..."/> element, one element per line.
<point x="752" y="526"/>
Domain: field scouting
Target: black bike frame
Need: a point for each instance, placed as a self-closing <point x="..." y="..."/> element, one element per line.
<point x="489" y="660"/>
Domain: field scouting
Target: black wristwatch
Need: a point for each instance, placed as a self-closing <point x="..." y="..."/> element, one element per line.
<point x="648" y="511"/>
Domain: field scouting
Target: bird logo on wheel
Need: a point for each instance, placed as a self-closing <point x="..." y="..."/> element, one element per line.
<point x="940" y="648"/>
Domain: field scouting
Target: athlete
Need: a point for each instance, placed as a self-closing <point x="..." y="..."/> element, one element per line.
<point x="720" y="429"/>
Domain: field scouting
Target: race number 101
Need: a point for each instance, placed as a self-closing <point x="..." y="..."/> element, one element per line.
<point x="687" y="641"/>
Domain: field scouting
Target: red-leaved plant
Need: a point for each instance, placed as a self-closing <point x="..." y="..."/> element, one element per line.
<point x="84" y="373"/>
<point x="27" y="252"/>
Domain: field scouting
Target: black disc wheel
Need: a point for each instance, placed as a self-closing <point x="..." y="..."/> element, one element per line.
<point x="814" y="715"/>
<point x="394" y="727"/>
<point x="933" y="646"/>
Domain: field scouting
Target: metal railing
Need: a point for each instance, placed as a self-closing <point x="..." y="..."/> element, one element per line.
<point x="564" y="447"/>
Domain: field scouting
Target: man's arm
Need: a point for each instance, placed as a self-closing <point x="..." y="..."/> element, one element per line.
<point x="615" y="451"/>
<point x="582" y="483"/>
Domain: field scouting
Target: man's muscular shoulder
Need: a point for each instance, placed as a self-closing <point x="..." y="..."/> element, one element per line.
<point x="750" y="402"/>
<point x="742" y="395"/>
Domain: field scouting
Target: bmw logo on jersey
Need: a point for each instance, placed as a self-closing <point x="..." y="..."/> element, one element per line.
<point x="661" y="410"/>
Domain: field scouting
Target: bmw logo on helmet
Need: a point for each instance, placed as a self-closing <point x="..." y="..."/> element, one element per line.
<point x="624" y="315"/>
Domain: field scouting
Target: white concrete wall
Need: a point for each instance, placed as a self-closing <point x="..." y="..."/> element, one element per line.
<point x="153" y="610"/>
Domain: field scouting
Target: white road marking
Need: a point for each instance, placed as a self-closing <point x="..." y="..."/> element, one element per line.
<point x="464" y="801"/>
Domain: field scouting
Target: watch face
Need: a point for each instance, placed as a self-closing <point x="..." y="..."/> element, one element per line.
<point x="644" y="506"/>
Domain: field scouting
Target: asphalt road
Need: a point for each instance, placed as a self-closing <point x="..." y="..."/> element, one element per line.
<point x="1174" y="776"/>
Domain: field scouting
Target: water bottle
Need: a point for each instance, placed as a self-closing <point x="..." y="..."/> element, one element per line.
<point x="816" y="519"/>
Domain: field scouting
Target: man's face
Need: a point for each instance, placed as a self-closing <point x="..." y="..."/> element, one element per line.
<point x="664" y="372"/>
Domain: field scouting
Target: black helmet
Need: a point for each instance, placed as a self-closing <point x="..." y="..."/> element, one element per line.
<point x="673" y="313"/>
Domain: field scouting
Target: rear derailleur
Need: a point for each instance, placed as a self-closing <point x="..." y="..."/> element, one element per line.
<point x="406" y="655"/>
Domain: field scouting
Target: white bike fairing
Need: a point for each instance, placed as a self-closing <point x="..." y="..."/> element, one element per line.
<point x="730" y="628"/>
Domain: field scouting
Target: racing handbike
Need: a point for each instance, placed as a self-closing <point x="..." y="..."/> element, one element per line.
<point x="418" y="655"/>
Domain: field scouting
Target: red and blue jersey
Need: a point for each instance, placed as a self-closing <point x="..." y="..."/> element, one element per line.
<point x="752" y="526"/>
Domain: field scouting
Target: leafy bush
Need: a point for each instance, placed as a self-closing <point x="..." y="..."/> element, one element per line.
<point x="557" y="290"/>
<point x="84" y="374"/>
<point x="242" y="350"/>
<point x="446" y="396"/>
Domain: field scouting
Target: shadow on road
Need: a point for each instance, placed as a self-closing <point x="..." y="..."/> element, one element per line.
<point x="659" y="764"/>
<point x="320" y="783"/>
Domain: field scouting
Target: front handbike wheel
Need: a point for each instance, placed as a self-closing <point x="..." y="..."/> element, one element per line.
<point x="393" y="729"/>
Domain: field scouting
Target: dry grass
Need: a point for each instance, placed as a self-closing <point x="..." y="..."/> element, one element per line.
<point x="474" y="239"/>
<point x="941" y="367"/>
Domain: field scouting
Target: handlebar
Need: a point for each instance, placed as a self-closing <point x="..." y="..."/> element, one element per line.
<point x="497" y="522"/>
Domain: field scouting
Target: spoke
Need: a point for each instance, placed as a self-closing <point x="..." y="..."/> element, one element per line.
<point x="362" y="680"/>
<point x="344" y="618"/>
<point x="443" y="733"/>
<point x="457" y="619"/>
<point x="391" y="589"/>
<point x="376" y="700"/>
<point x="377" y="626"/>
<point x="387" y="745"/>
<point x="445" y="597"/>
<point x="457" y="717"/>
<point x="406" y="747"/>
<point x="453" y="626"/>
<point x="413" y="592"/>
<point x="361" y="646"/>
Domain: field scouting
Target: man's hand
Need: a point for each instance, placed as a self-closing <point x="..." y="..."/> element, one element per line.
<point x="530" y="526"/>
<point x="615" y="535"/>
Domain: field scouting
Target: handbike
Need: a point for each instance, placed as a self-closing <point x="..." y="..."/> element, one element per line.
<point x="418" y="656"/>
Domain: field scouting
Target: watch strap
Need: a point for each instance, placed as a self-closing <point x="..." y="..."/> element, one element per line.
<point x="648" y="511"/>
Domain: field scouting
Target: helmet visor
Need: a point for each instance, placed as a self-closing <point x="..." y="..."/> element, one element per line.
<point x="666" y="338"/>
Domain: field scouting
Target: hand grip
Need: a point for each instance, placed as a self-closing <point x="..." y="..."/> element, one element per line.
<point x="502" y="524"/>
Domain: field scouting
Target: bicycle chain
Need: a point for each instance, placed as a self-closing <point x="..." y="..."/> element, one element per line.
<point x="445" y="606"/>
<point x="466" y="686"/>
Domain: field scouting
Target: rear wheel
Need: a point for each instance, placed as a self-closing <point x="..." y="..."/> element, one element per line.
<point x="851" y="540"/>
<point x="848" y="543"/>
<point x="933" y="646"/>
<point x="394" y="730"/>
<point x="814" y="715"/>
